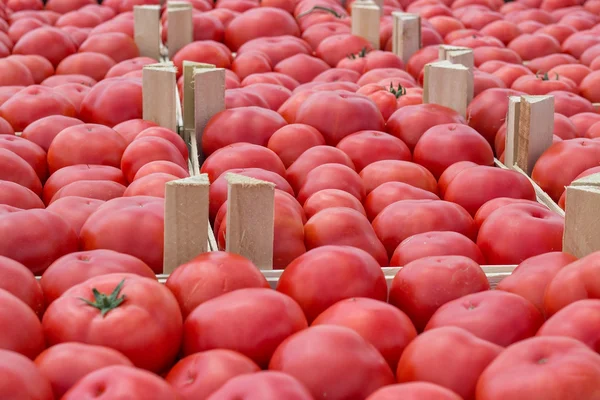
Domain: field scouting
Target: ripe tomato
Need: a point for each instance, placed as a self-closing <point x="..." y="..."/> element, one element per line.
<point x="350" y="368"/>
<point x="290" y="141"/>
<point x="366" y="147"/>
<point x="331" y="176"/>
<point x="94" y="65"/>
<point x="198" y="376"/>
<point x="493" y="315"/>
<point x="150" y="185"/>
<point x="21" y="378"/>
<point x="131" y="128"/>
<point x="204" y="51"/>
<point x="241" y="155"/>
<point x="543" y="84"/>
<point x="335" y="48"/>
<point x="21" y="283"/>
<point x="380" y="172"/>
<point x="276" y="48"/>
<point x="124" y="67"/>
<point x="16" y="195"/>
<point x="22" y="331"/>
<point x="161" y="166"/>
<point x="306" y="278"/>
<point x="488" y="111"/>
<point x="492" y="205"/>
<point x="263" y="385"/>
<point x="444" y="243"/>
<point x="316" y="33"/>
<point x="109" y="301"/>
<point x="248" y="26"/>
<point x="208" y="325"/>
<point x="421" y="359"/>
<point x="146" y="149"/>
<point x="414" y="391"/>
<point x="58" y="80"/>
<point x="44" y="130"/>
<point x="66" y="363"/>
<point x="312" y="158"/>
<point x="330" y="198"/>
<point x="589" y="87"/>
<point x="74" y="210"/>
<point x="337" y="75"/>
<point x="100" y="190"/>
<point x="48" y="42"/>
<point x="113" y="101"/>
<point x="541" y="368"/>
<point x="120" y="382"/>
<point x="391" y="192"/>
<point x="30" y="152"/>
<point x="16" y="73"/>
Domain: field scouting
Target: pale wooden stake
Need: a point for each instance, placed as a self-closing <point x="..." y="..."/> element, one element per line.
<point x="447" y="84"/>
<point x="365" y="21"/>
<point x="590" y="180"/>
<point x="581" y="220"/>
<point x="463" y="56"/>
<point x="188" y="92"/>
<point x="146" y="27"/>
<point x="250" y="219"/>
<point x="159" y="89"/>
<point x="529" y="131"/>
<point x="209" y="93"/>
<point x="380" y="4"/>
<point x="181" y="27"/>
<point x="406" y="35"/>
<point x="186" y="220"/>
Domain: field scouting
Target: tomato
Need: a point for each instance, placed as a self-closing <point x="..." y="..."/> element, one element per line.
<point x="16" y="73"/>
<point x="204" y="51"/>
<point x="200" y="375"/>
<point x="131" y="128"/>
<point x="590" y="54"/>
<point x="558" y="31"/>
<point x="380" y="172"/>
<point x="271" y="77"/>
<point x="21" y="378"/>
<point x="137" y="300"/>
<point x="569" y="104"/>
<point x="150" y="185"/>
<point x="44" y="130"/>
<point x="242" y="98"/>
<point x="511" y="72"/>
<point x="414" y="391"/>
<point x="331" y="176"/>
<point x="22" y="26"/>
<point x="290" y="141"/>
<point x="207" y="326"/>
<point x="48" y="42"/>
<point x="146" y="149"/>
<point x="367" y="147"/>
<point x="75" y="173"/>
<point x="541" y="368"/>
<point x="66" y="363"/>
<point x="505" y="31"/>
<point x="247" y="26"/>
<point x="579" y="42"/>
<point x="589" y="85"/>
<point x="30" y="152"/>
<point x="375" y="59"/>
<point x="110" y="227"/>
<point x="337" y="75"/>
<point x="241" y="155"/>
<point x="161" y="166"/>
<point x="94" y="65"/>
<point x="584" y="121"/>
<point x="248" y="124"/>
<point x="58" y="80"/>
<point x="530" y="46"/>
<point x="335" y="48"/>
<point x="421" y="359"/>
<point x="330" y="198"/>
<point x="22" y="331"/>
<point x="74" y="210"/>
<point x="384" y="326"/>
<point x="492" y="205"/>
<point x="21" y="283"/>
<point x="276" y="48"/>
<point x="306" y="278"/>
<point x="310" y="159"/>
<point x="217" y="268"/>
<point x="488" y="111"/>
<point x="391" y="192"/>
<point x="113" y="101"/>
<point x="543" y="84"/>
<point x="78" y="18"/>
<point x="262" y="385"/>
<point x="574" y="72"/>
<point x="101" y="190"/>
<point x="116" y="45"/>
<point x="315" y="34"/>
<point x="274" y="95"/>
<point x="126" y="66"/>
<point x="120" y="382"/>
<point x="251" y="62"/>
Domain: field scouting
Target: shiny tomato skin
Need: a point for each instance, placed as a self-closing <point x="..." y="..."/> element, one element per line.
<point x="75" y="173"/>
<point x="382" y="325"/>
<point x="491" y="183"/>
<point x="290" y="141"/>
<point x="161" y="166"/>
<point x="248" y="26"/>
<point x="75" y="268"/>
<point x="203" y="51"/>
<point x="86" y="144"/>
<point x="380" y="172"/>
<point x="146" y="149"/>
<point x="44" y="130"/>
<point x="312" y="158"/>
<point x="21" y="283"/>
<point x="208" y="325"/>
<point x="390" y="192"/>
<point x="402" y="219"/>
<point x="589" y="87"/>
<point x="302" y="67"/>
<point x="226" y="272"/>
<point x="331" y="176"/>
<point x="22" y="331"/>
<point x="198" y="376"/>
<point x="548" y="368"/>
<point x="150" y="185"/>
<point x="262" y="385"/>
<point x="22" y="379"/>
<point x="271" y="77"/>
<point x="488" y="111"/>
<point x="113" y="101"/>
<point x="411" y="122"/>
<point x="131" y="128"/>
<point x="499" y="317"/>
<point x="444" y="243"/>
<point x="17" y="73"/>
<point x="116" y="45"/>
<point x="421" y="359"/>
<point x="415" y="288"/>
<point x="66" y="363"/>
<point x="253" y="125"/>
<point x="342" y="226"/>
<point x="148" y="304"/>
<point x="101" y="190"/>
<point x="121" y="382"/>
<point x="414" y="391"/>
<point x="48" y="42"/>
<point x="335" y="48"/>
<point x="94" y="65"/>
<point x="58" y="80"/>
<point x="330" y="198"/>
<point x="492" y="205"/>
<point x="349" y="360"/>
<point x="166" y="134"/>
<point x="306" y="278"/>
<point x="535" y="85"/>
<point x="74" y="210"/>
<point x="33" y="154"/>
<point x="381" y="146"/>
<point x="124" y="67"/>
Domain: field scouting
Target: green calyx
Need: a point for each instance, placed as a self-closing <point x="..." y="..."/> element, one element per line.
<point x="398" y="92"/>
<point x="545" y="76"/>
<point x="320" y="8"/>
<point x="360" y="54"/>
<point x="106" y="303"/>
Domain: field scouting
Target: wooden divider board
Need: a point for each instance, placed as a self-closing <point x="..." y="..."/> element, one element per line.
<point x="181" y="27"/>
<point x="209" y="94"/>
<point x="365" y="21"/>
<point x="406" y="34"/>
<point x="448" y="85"/>
<point x="159" y="88"/>
<point x="146" y="23"/>
<point x="463" y="56"/>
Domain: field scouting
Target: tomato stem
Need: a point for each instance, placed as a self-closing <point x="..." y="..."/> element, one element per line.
<point x="398" y="92"/>
<point x="320" y="8"/>
<point x="360" y="54"/>
<point x="106" y="303"/>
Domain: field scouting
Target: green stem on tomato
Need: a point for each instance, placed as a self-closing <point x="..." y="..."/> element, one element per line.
<point x="398" y="92"/>
<point x="106" y="303"/>
<point x="320" y="8"/>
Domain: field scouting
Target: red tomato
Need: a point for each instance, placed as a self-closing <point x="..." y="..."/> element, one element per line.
<point x="126" y="66"/>
<point x="75" y="173"/>
<point x="146" y="149"/>
<point x="306" y="278"/>
<point x="111" y="227"/>
<point x="21" y="378"/>
<point x="251" y="62"/>
<point x="273" y="95"/>
<point x="226" y="272"/>
<point x="444" y="243"/>
<point x="270" y="77"/>
<point x="74" y="92"/>
<point x="391" y="192"/>
<point x="121" y="382"/>
<point x="505" y="31"/>
<point x="161" y="166"/>
<point x="385" y="97"/>
<point x="131" y="128"/>
<point x="48" y="42"/>
<point x="584" y="121"/>
<point x="575" y="72"/>
<point x="349" y="360"/>
<point x="543" y="84"/>
<point x="311" y="159"/>
<point x="94" y="65"/>
<point x="337" y="75"/>
<point x="136" y="300"/>
<point x="75" y="268"/>
<point x="589" y="87"/>
<point x="385" y="327"/>
<point x="262" y="385"/>
<point x="66" y="363"/>
<point x="58" y="80"/>
<point x="21" y="283"/>
<point x="204" y="51"/>
<point x="558" y="31"/>
<point x="414" y="391"/>
<point x="290" y="141"/>
<point x="334" y="48"/>
<point x="541" y="368"/>
<point x="366" y="147"/>
<point x="243" y="98"/>
<point x="74" y="210"/>
<point x="569" y="104"/>
<point x="22" y="331"/>
<point x="39" y="67"/>
<point x="101" y="190"/>
<point x="380" y="172"/>
<point x="509" y="73"/>
<point x="421" y="359"/>
<point x="22" y="26"/>
<point x="150" y="185"/>
<point x="330" y="198"/>
<point x="30" y="152"/>
<point x="248" y="26"/>
<point x="241" y="155"/>
<point x="116" y="45"/>
<point x="331" y="176"/>
<point x="43" y="131"/>
<point x="492" y="205"/>
<point x="208" y="325"/>
<point x="488" y="111"/>
<point x="276" y="48"/>
<point x="113" y="101"/>
<point x="530" y="46"/>
<point x="198" y="376"/>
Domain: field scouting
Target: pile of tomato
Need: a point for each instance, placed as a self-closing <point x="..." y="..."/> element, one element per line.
<point x="366" y="176"/>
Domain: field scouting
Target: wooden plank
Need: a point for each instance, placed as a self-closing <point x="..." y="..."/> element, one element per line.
<point x="406" y="34"/>
<point x="365" y="21"/>
<point x="188" y="92"/>
<point x="159" y="88"/>
<point x="250" y="219"/>
<point x="581" y="222"/>
<point x="448" y="85"/>
<point x="536" y="127"/>
<point x="209" y="93"/>
<point x="146" y="27"/>
<point x="590" y="180"/>
<point x="512" y="130"/>
<point x="186" y="221"/>
<point x="466" y="58"/>
<point x="181" y="27"/>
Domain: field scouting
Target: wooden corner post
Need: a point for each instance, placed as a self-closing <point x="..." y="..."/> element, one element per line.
<point x="581" y="217"/>
<point x="159" y="88"/>
<point x="181" y="27"/>
<point x="463" y="56"/>
<point x="146" y="27"/>
<point x="406" y="34"/>
<point x="448" y="85"/>
<point x="186" y="220"/>
<point x="250" y="219"/>
<point x="365" y="21"/>
<point x="209" y="99"/>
